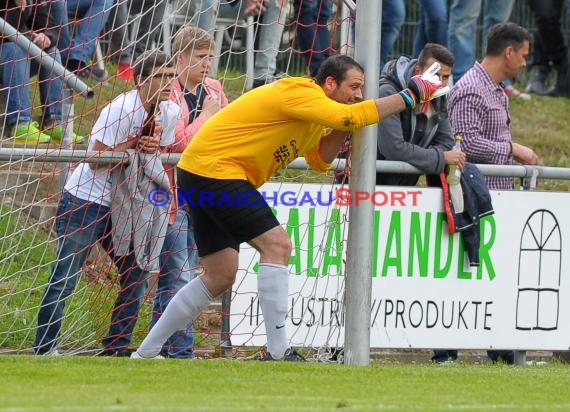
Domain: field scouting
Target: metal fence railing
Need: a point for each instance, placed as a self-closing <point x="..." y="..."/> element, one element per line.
<point x="16" y="155"/>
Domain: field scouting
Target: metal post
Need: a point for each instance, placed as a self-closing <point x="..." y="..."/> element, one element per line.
<point x="225" y="334"/>
<point x="68" y="113"/>
<point x="519" y="357"/>
<point x="529" y="183"/>
<point x="360" y="235"/>
<point x="249" y="57"/>
<point x="347" y="9"/>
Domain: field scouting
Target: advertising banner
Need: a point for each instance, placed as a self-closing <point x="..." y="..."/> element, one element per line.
<point x="426" y="292"/>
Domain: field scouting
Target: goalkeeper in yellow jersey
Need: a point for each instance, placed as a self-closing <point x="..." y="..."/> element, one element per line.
<point x="235" y="152"/>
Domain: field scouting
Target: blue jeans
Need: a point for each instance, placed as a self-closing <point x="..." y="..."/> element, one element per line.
<point x="93" y="15"/>
<point x="149" y="28"/>
<point x="206" y="12"/>
<point x="270" y="30"/>
<point x="118" y="26"/>
<point x="463" y="16"/>
<point x="79" y="226"/>
<point x="393" y="16"/>
<point x="433" y="24"/>
<point x="58" y="14"/>
<point x="17" y="68"/>
<point x="313" y="36"/>
<point x="178" y="259"/>
<point x="150" y="25"/>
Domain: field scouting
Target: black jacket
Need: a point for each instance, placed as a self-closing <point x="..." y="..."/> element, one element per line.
<point x="411" y="136"/>
<point x="477" y="201"/>
<point x="477" y="204"/>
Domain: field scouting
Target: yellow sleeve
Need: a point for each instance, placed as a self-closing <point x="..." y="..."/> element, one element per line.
<point x="307" y="101"/>
<point x="313" y="158"/>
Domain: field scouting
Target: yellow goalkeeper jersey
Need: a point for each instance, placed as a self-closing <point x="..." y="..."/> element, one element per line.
<point x="267" y="128"/>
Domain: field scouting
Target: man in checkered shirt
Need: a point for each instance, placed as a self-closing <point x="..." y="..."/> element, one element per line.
<point x="478" y="105"/>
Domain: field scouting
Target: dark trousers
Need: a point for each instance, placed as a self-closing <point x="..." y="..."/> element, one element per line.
<point x="443" y="355"/>
<point x="150" y="26"/>
<point x="549" y="44"/>
<point x="313" y="37"/>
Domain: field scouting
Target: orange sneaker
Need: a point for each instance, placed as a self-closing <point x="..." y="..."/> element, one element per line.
<point x="125" y="71"/>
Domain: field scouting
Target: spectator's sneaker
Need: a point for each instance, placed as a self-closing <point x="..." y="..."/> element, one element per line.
<point x="56" y="134"/>
<point x="279" y="75"/>
<point x="74" y="65"/>
<point x="53" y="352"/>
<point x="512" y="92"/>
<point x="29" y="133"/>
<point x="444" y="361"/>
<point x="185" y="355"/>
<point x="268" y="79"/>
<point x="557" y="92"/>
<point x="135" y="355"/>
<point x="535" y="363"/>
<point x="537" y="80"/>
<point x="291" y="355"/>
<point x="94" y="73"/>
<point x="562" y="86"/>
<point x="125" y="71"/>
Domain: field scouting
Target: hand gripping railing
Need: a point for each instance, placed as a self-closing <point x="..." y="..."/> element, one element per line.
<point x="43" y="58"/>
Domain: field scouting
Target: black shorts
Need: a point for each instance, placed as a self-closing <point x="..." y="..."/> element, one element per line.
<point x="224" y="213"/>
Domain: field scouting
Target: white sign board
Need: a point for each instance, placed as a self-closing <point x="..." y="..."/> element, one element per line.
<point x="424" y="292"/>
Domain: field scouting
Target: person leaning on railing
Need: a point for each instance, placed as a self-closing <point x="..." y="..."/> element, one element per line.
<point x="421" y="136"/>
<point x="89" y="211"/>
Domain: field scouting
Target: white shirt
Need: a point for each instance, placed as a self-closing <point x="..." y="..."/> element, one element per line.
<point x="120" y="120"/>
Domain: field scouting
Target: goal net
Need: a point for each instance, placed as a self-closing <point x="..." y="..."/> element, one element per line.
<point x="99" y="45"/>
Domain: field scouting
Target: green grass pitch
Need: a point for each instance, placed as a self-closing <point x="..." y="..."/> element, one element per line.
<point x="30" y="383"/>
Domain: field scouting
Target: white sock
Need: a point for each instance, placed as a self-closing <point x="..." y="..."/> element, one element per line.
<point x="184" y="306"/>
<point x="273" y="287"/>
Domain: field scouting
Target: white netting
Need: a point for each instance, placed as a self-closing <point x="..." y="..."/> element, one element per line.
<point x="104" y="41"/>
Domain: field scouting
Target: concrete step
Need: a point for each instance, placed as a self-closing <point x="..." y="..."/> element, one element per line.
<point x="31" y="187"/>
<point x="27" y="185"/>
<point x="42" y="211"/>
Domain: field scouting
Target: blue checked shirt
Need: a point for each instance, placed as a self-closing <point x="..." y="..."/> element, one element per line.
<point x="479" y="112"/>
